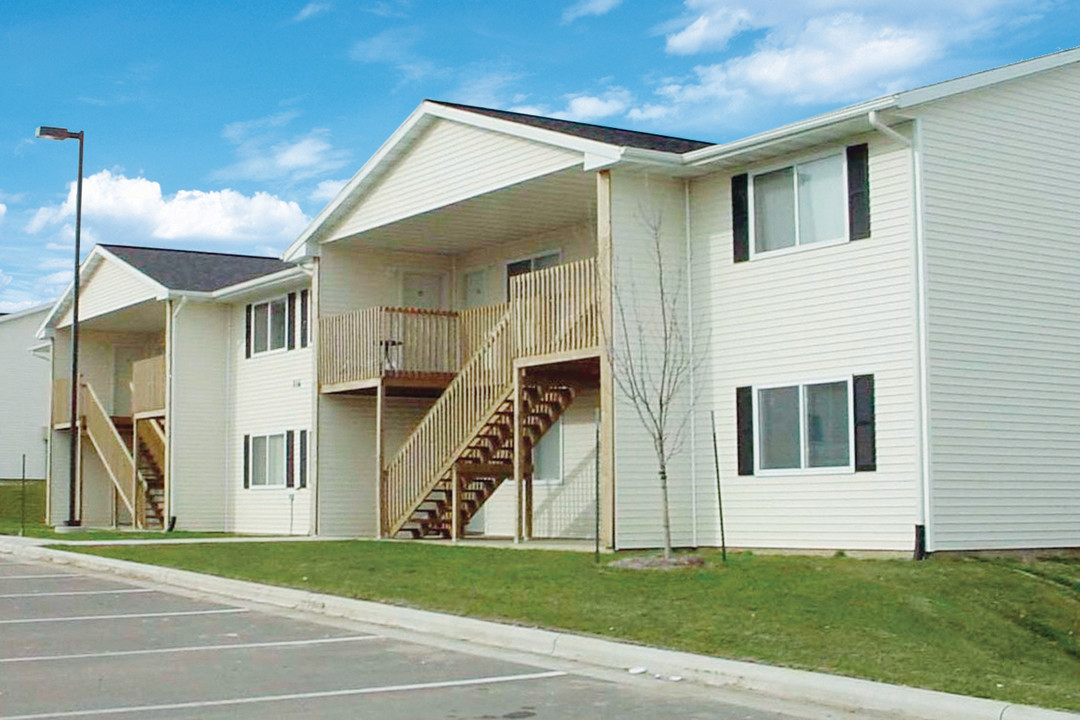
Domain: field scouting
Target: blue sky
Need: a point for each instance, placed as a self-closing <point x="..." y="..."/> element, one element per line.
<point x="227" y="125"/>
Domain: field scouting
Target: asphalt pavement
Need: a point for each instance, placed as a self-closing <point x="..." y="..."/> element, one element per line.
<point x="75" y="644"/>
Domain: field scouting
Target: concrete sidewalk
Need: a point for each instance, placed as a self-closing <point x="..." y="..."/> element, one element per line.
<point x="842" y="693"/>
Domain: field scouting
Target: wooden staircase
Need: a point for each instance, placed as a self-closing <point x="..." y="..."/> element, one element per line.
<point x="464" y="447"/>
<point x="150" y="465"/>
<point x="487" y="460"/>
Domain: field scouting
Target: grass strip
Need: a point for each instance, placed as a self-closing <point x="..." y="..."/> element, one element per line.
<point x="975" y="627"/>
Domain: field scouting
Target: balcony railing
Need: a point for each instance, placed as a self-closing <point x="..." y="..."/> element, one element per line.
<point x="552" y="312"/>
<point x="148" y="385"/>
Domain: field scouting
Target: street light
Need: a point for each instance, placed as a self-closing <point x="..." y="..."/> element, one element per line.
<point x="55" y="133"/>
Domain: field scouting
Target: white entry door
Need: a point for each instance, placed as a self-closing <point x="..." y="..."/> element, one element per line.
<point x="422" y="290"/>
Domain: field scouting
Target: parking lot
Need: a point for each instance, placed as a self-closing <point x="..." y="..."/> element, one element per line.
<point x="77" y="645"/>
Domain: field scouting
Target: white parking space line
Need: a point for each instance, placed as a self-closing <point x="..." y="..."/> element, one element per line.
<point x="37" y="577"/>
<point x="293" y="696"/>
<point x="78" y="592"/>
<point x="123" y="616"/>
<point x="194" y="648"/>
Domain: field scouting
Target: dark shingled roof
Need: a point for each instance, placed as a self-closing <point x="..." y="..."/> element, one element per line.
<point x="599" y="133"/>
<point x="196" y="271"/>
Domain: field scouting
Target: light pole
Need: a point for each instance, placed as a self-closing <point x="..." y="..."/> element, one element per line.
<point x="55" y="133"/>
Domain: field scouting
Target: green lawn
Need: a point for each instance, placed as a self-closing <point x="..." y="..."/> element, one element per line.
<point x="12" y="514"/>
<point x="997" y="629"/>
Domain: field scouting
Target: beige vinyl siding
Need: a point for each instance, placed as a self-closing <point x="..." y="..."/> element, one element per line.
<point x="563" y="509"/>
<point x="24" y="397"/>
<point x="819" y="314"/>
<point x="198" y="415"/>
<point x="1002" y="219"/>
<point x="448" y="163"/>
<point x="109" y="287"/>
<point x="270" y="394"/>
<point x="354" y="278"/>
<point x="638" y="201"/>
<point x="346" y="459"/>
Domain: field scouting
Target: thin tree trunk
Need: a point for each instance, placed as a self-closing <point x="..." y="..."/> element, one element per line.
<point x="665" y="514"/>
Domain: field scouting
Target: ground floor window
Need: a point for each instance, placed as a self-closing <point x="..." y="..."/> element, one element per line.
<point x="276" y="459"/>
<point x="807" y="427"/>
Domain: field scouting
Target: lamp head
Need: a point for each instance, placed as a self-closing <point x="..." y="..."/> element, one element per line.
<point x="55" y="133"/>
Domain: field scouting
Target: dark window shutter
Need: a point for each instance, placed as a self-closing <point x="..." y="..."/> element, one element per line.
<point x="305" y="305"/>
<point x="290" y="330"/>
<point x="303" y="459"/>
<point x="740" y="217"/>
<point x="247" y="334"/>
<point x="744" y="413"/>
<point x="290" y="476"/>
<point x="858" y="180"/>
<point x="865" y="432"/>
<point x="247" y="451"/>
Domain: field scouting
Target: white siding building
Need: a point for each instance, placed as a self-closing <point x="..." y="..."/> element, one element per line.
<point x="24" y="395"/>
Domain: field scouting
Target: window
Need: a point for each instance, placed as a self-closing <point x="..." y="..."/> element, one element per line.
<point x="531" y="264"/>
<point x="824" y="200"/>
<point x="273" y="325"/>
<point x="808" y="427"/>
<point x="798" y="205"/>
<point x="277" y="460"/>
<point x="547" y="455"/>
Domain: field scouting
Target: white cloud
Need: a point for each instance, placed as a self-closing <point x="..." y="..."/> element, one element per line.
<point x="5" y="280"/>
<point x="327" y="190"/>
<point x="614" y="101"/>
<point x="3" y="212"/>
<point x="264" y="156"/>
<point x="395" y="47"/>
<point x="809" y="52"/>
<point x="312" y="9"/>
<point x="588" y="7"/>
<point x="117" y="208"/>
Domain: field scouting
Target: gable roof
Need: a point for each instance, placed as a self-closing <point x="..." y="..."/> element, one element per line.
<point x="599" y="133"/>
<point x="195" y="271"/>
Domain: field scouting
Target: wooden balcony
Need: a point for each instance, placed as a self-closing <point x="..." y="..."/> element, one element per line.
<point x="400" y="347"/>
<point x="552" y="316"/>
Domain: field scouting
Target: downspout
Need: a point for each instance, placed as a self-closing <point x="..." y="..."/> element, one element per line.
<point x="924" y="537"/>
<point x="174" y="311"/>
<point x="693" y="367"/>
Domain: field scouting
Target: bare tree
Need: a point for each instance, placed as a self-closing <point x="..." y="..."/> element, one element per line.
<point x="651" y="356"/>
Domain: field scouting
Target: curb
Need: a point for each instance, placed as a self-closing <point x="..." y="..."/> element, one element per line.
<point x="841" y="693"/>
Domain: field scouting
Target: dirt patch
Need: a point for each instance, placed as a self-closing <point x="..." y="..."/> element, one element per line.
<point x="659" y="563"/>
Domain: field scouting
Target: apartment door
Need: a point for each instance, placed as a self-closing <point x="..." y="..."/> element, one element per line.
<point x="476" y="290"/>
<point x="422" y="290"/>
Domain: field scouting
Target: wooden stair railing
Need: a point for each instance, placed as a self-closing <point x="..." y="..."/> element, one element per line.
<point x="150" y="460"/>
<point x="483" y="385"/>
<point x="110" y="447"/>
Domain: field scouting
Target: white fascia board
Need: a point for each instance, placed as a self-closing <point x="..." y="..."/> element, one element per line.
<point x="262" y="285"/>
<point x="351" y="189"/>
<point x="62" y="302"/>
<point x="25" y="313"/>
<point x="986" y="78"/>
<point x="595" y="155"/>
<point x="761" y="141"/>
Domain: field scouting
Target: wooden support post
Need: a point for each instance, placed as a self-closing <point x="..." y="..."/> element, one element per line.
<point x="455" y="504"/>
<point x="135" y="524"/>
<point x="528" y="477"/>
<point x="519" y="464"/>
<point x="380" y="474"/>
<point x="605" y="281"/>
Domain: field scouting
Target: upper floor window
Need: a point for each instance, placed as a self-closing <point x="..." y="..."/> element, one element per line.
<point x="531" y="264"/>
<point x="820" y="201"/>
<point x="281" y="323"/>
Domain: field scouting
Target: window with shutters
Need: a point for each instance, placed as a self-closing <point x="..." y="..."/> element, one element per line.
<point x="276" y="460"/>
<point x="821" y="200"/>
<point x="279" y="324"/>
<point x="810" y="427"/>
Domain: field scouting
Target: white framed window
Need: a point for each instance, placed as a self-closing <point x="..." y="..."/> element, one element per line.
<point x="804" y="427"/>
<point x="277" y="460"/>
<point x="268" y="460"/>
<point x="269" y="325"/>
<point x="798" y="205"/>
